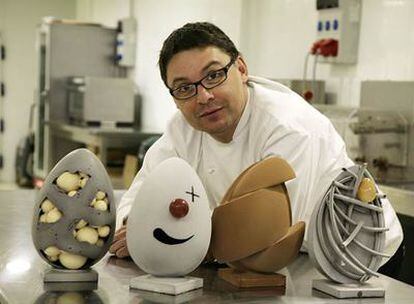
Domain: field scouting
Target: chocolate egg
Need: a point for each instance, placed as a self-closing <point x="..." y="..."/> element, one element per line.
<point x="366" y="191"/>
<point x="347" y="229"/>
<point x="252" y="227"/>
<point x="65" y="225"/>
<point x="161" y="242"/>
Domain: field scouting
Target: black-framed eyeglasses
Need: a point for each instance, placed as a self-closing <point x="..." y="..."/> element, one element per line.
<point x="212" y="80"/>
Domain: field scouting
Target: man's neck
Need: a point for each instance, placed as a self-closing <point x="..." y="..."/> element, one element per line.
<point x="227" y="136"/>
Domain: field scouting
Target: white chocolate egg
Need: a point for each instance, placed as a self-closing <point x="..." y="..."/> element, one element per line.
<point x="52" y="251"/>
<point x="101" y="205"/>
<point x="72" y="261"/>
<point x="53" y="216"/>
<point x="42" y="218"/>
<point x="68" y="181"/>
<point x="93" y="202"/>
<point x="72" y="193"/>
<point x="83" y="182"/>
<point x="169" y="225"/>
<point x="103" y="231"/>
<point x="87" y="234"/>
<point x="100" y="195"/>
<point x="47" y="205"/>
<point x="53" y="258"/>
<point x="82" y="223"/>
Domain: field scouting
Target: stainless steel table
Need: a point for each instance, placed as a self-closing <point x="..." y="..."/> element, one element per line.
<point x="21" y="271"/>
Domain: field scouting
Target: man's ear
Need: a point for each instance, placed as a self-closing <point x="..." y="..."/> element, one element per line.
<point x="242" y="68"/>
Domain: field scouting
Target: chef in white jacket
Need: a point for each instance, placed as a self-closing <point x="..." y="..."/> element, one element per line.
<point x="228" y="120"/>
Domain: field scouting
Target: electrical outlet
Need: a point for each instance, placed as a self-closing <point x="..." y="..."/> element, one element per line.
<point x="339" y="21"/>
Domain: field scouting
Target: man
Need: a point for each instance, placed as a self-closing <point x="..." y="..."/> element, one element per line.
<point x="228" y="121"/>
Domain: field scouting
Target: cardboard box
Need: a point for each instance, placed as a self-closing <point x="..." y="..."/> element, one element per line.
<point x="131" y="167"/>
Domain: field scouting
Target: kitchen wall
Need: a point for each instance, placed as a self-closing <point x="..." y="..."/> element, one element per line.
<point x="277" y="35"/>
<point x="156" y="20"/>
<point x="18" y="21"/>
<point x="273" y="35"/>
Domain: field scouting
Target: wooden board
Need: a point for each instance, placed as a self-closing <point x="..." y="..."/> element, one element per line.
<point x="244" y="279"/>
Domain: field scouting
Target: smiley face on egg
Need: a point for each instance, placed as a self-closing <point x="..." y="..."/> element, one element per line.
<point x="169" y="226"/>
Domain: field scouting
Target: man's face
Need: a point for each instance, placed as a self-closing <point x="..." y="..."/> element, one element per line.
<point x="217" y="110"/>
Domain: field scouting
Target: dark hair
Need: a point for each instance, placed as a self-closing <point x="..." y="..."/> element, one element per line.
<point x="194" y="35"/>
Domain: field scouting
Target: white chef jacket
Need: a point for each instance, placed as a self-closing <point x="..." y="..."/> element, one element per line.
<point x="275" y="122"/>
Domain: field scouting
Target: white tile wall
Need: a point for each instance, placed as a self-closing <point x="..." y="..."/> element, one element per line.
<point x="281" y="31"/>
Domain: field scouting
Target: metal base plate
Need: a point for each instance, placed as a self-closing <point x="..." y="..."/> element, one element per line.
<point x="163" y="298"/>
<point x="166" y="285"/>
<point x="63" y="275"/>
<point x="345" y="291"/>
<point x="69" y="286"/>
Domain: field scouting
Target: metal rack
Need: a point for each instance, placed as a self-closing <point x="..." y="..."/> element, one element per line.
<point x="66" y="49"/>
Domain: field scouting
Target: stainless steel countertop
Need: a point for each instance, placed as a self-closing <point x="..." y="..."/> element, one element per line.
<point x="21" y="273"/>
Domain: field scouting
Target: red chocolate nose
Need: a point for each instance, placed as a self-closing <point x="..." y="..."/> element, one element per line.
<point x="179" y="208"/>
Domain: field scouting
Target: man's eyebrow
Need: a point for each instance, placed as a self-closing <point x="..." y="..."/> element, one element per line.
<point x="213" y="62"/>
<point x="177" y="80"/>
<point x="206" y="67"/>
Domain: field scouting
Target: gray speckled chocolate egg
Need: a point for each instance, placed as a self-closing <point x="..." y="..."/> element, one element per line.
<point x="74" y="215"/>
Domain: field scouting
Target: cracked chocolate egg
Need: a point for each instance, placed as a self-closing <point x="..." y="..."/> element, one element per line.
<point x="70" y="230"/>
<point x="252" y="228"/>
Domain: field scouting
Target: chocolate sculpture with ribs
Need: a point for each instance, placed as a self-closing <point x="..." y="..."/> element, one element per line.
<point x="252" y="228"/>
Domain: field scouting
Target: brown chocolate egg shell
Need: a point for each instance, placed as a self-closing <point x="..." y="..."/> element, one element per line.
<point x="252" y="227"/>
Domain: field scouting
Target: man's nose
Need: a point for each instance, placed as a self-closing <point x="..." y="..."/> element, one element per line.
<point x="204" y="95"/>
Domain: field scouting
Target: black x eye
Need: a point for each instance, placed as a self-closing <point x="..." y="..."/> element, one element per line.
<point x="192" y="193"/>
